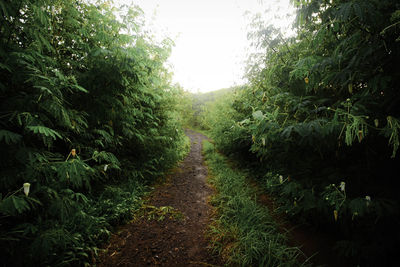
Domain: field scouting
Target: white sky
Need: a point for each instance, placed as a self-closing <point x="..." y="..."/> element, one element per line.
<point x="210" y="37"/>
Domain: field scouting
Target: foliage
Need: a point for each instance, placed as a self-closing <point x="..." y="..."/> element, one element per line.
<point x="88" y="116"/>
<point x="198" y="103"/>
<point x="243" y="232"/>
<point x="185" y="108"/>
<point x="219" y="117"/>
<point x="321" y="108"/>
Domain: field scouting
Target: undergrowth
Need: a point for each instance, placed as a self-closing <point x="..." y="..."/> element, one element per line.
<point x="318" y="122"/>
<point x="151" y="212"/>
<point x="243" y="232"/>
<point x="88" y="119"/>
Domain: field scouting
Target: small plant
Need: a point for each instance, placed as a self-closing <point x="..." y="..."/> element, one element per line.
<point x="158" y="213"/>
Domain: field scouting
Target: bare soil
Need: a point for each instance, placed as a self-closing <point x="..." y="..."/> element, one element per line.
<point x="171" y="230"/>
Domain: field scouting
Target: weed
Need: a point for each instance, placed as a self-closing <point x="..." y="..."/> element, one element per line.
<point x="243" y="232"/>
<point x="158" y="213"/>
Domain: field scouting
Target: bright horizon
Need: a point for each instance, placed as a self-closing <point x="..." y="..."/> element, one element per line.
<point x="210" y="36"/>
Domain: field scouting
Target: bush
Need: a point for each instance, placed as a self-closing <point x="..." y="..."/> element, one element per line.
<point x="86" y="110"/>
<point x="321" y="109"/>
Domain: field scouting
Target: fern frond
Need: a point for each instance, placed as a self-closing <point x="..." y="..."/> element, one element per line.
<point x="45" y="131"/>
<point x="9" y="137"/>
<point x="392" y="129"/>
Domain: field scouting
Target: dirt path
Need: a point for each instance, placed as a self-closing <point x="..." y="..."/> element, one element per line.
<point x="173" y="236"/>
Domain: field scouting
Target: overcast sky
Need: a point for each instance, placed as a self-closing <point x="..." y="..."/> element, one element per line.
<point x="210" y="37"/>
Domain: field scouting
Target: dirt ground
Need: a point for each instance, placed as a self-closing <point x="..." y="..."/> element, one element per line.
<point x="171" y="230"/>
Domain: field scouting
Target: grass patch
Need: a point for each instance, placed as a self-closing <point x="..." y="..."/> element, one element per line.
<point x="159" y="213"/>
<point x="199" y="130"/>
<point x="243" y="231"/>
<point x="185" y="147"/>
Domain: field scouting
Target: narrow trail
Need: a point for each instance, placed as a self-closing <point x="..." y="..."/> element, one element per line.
<point x="172" y="237"/>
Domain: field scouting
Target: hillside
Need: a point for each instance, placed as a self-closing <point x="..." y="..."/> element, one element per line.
<point x="200" y="100"/>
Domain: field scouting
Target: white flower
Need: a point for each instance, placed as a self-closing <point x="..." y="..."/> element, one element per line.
<point x="105" y="167"/>
<point x="280" y="178"/>
<point x="342" y="186"/>
<point x="26" y="188"/>
<point x="368" y="199"/>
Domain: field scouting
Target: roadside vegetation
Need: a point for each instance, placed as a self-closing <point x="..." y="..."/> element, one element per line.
<point x="243" y="231"/>
<point x="88" y="119"/>
<point x="318" y="123"/>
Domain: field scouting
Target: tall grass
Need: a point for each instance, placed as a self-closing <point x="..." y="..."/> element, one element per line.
<point x="243" y="231"/>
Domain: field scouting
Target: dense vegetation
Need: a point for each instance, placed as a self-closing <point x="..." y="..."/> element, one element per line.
<point x="194" y="106"/>
<point x="243" y="232"/>
<point x="319" y="122"/>
<point x="88" y="117"/>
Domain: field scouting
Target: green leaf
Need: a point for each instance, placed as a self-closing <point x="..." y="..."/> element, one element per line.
<point x="80" y="88"/>
<point x="5" y="67"/>
<point x="9" y="137"/>
<point x="45" y="131"/>
<point x="14" y="205"/>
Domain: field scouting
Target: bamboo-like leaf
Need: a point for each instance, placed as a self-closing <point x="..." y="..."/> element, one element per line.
<point x="14" y="205"/>
<point x="9" y="137"/>
<point x="45" y="131"/>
